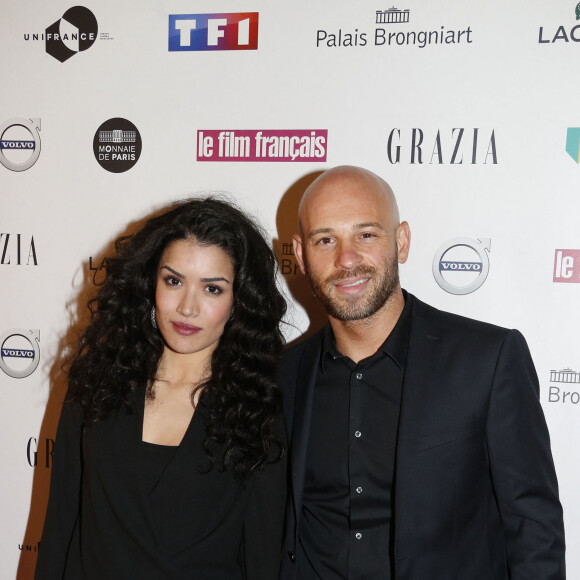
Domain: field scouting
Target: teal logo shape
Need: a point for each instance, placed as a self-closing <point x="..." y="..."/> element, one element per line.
<point x="573" y="143"/>
<point x="578" y="11"/>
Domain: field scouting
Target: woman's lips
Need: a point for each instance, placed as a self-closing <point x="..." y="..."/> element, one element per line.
<point x="185" y="329"/>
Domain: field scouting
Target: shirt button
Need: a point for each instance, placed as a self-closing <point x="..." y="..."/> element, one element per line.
<point x="358" y="536"/>
<point x="357" y="433"/>
<point x="359" y="375"/>
<point x="359" y="489"/>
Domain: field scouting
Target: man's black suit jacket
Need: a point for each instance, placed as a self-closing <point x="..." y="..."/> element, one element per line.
<point x="476" y="495"/>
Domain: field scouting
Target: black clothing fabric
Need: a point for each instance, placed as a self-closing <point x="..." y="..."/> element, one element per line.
<point x="154" y="459"/>
<point x="476" y="494"/>
<point x="119" y="508"/>
<point x="346" y="510"/>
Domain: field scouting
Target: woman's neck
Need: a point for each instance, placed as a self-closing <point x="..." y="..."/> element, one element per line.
<point x="183" y="371"/>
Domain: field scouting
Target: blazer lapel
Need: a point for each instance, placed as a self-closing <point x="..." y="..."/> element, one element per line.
<point x="305" y="381"/>
<point x="419" y="386"/>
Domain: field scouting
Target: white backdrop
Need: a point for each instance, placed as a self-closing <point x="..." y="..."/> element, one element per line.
<point x="452" y="70"/>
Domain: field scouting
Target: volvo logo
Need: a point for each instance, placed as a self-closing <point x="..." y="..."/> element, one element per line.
<point x="19" y="143"/>
<point x="19" y="352"/>
<point x="461" y="265"/>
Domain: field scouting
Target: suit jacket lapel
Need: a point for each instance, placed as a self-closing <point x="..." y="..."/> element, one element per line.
<point x="419" y="387"/>
<point x="306" y="380"/>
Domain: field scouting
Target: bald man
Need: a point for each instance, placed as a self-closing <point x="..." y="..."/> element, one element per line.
<point x="418" y="446"/>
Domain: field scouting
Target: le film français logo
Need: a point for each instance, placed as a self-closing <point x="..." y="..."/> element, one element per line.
<point x="566" y="267"/>
<point x="293" y="145"/>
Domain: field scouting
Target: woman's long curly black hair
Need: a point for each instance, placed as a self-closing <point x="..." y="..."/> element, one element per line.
<point x="119" y="351"/>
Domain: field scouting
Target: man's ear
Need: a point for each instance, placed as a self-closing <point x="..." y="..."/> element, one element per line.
<point x="299" y="251"/>
<point x="403" y="237"/>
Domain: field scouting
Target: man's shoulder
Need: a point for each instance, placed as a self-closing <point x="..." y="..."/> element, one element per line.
<point x="448" y="322"/>
<point x="296" y="349"/>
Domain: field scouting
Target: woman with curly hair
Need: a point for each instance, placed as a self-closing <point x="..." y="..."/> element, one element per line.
<point x="169" y="452"/>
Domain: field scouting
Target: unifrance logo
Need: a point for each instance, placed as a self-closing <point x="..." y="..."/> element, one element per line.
<point x="566" y="268"/>
<point x="274" y="145"/>
<point x="117" y="145"/>
<point x="19" y="352"/>
<point x="75" y="32"/>
<point x="19" y="143"/>
<point x="461" y="265"/>
<point x="573" y="143"/>
<point x="568" y="389"/>
<point x="562" y="32"/>
<point x="220" y="31"/>
<point x="387" y="33"/>
<point x="29" y="547"/>
<point x="456" y="146"/>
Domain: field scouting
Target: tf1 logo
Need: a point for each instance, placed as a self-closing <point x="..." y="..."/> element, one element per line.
<point x="567" y="266"/>
<point x="234" y="31"/>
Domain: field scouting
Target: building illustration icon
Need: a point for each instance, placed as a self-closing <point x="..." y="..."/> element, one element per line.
<point x="117" y="136"/>
<point x="392" y="16"/>
<point x="565" y="376"/>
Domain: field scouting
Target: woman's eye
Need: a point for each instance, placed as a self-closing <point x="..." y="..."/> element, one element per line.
<point x="211" y="289"/>
<point x="173" y="281"/>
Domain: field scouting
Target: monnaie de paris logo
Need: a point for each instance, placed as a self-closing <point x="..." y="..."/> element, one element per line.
<point x="461" y="265"/>
<point x="117" y="145"/>
<point x="19" y="352"/>
<point x="19" y="143"/>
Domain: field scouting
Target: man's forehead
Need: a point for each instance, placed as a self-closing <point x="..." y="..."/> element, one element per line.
<point x="347" y="194"/>
<point x="340" y="206"/>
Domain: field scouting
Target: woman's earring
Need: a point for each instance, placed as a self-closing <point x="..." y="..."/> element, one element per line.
<point x="153" y="318"/>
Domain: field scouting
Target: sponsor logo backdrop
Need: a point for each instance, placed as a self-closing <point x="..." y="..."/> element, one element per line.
<point x="471" y="115"/>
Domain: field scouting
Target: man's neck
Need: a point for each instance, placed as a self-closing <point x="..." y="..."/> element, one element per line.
<point x="359" y="339"/>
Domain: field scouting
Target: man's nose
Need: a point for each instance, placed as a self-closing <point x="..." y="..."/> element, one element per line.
<point x="347" y="256"/>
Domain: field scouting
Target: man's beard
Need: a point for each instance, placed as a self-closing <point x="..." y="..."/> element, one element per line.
<point x="347" y="308"/>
